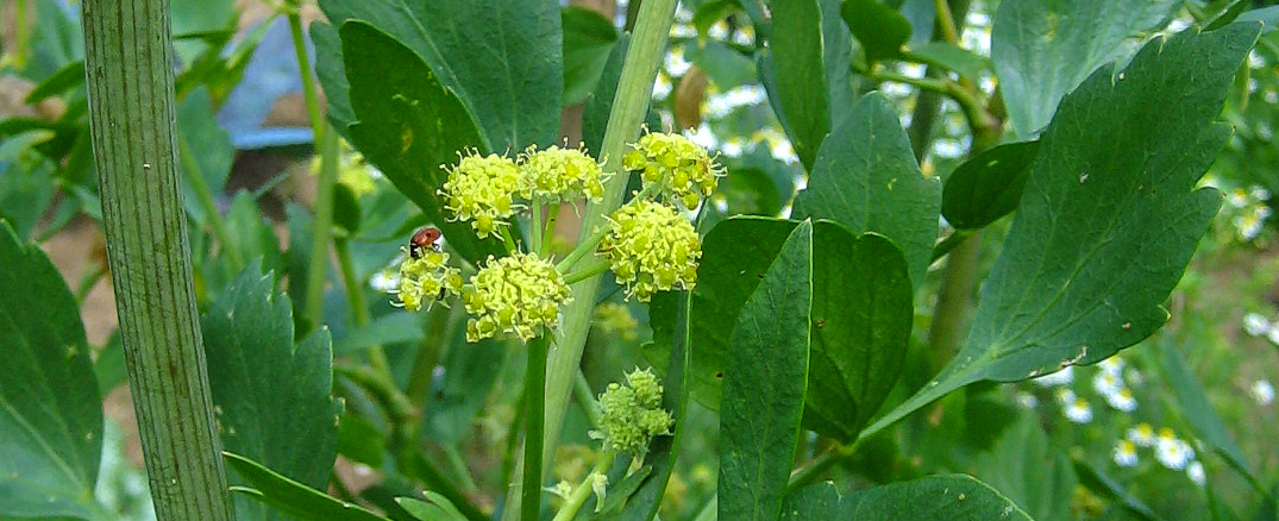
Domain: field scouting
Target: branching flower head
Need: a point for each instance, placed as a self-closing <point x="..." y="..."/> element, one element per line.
<point x="651" y="247"/>
<point x="633" y="414"/>
<point x="519" y="294"/>
<point x="684" y="171"/>
<point x="560" y="174"/>
<point x="426" y="279"/>
<point x="482" y="189"/>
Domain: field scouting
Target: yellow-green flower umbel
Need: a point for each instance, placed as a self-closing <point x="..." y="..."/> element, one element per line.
<point x="426" y="280"/>
<point x="520" y="294"/>
<point x="560" y="174"/>
<point x="651" y="247"/>
<point x="683" y="170"/>
<point x="632" y="414"/>
<point x="481" y="189"/>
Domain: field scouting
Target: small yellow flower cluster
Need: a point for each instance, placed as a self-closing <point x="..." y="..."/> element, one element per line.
<point x="612" y="317"/>
<point x="651" y="247"/>
<point x="633" y="414"/>
<point x="560" y="174"/>
<point x="683" y="170"/>
<point x="427" y="279"/>
<point x="516" y="294"/>
<point x="482" y="189"/>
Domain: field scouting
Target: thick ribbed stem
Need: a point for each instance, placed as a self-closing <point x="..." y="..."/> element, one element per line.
<point x="129" y="69"/>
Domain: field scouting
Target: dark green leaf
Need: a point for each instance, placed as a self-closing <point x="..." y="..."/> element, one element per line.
<point x="391" y="328"/>
<point x="359" y="440"/>
<point x="1042" y="49"/>
<point x="50" y="409"/>
<point x="502" y="59"/>
<point x="27" y="184"/>
<point x="291" y="497"/>
<point x="936" y="498"/>
<point x="796" y="63"/>
<point x="209" y="146"/>
<point x="988" y="186"/>
<point x="599" y="104"/>
<point x="331" y="72"/>
<point x="1108" y="488"/>
<point x="470" y="372"/>
<point x="109" y="367"/>
<point x="880" y="29"/>
<point x="1109" y="217"/>
<point x="750" y="191"/>
<point x="346" y="209"/>
<point x="866" y="179"/>
<point x="195" y="17"/>
<point x="1037" y="477"/>
<point x="67" y="78"/>
<point x="1266" y="15"/>
<point x="1228" y="15"/>
<point x="1194" y="407"/>
<point x="408" y="126"/>
<point x="272" y="398"/>
<point x="438" y="509"/>
<point x="862" y="313"/>
<point x="298" y="263"/>
<point x="588" y="40"/>
<point x="952" y="57"/>
<point x="764" y="386"/>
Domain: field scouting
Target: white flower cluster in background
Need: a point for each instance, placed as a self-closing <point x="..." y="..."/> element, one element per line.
<point x="1170" y="451"/>
<point x="1248" y="211"/>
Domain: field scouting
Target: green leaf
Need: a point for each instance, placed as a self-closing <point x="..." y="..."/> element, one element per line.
<point x="951" y="498"/>
<point x="501" y="58"/>
<point x="953" y="57"/>
<point x="862" y="313"/>
<point x="272" y="399"/>
<point x="1043" y="49"/>
<point x="50" y="409"/>
<point x="988" y="186"/>
<point x="796" y="63"/>
<point x="408" y="126"/>
<point x="290" y="497"/>
<point x="880" y="29"/>
<point x="470" y="373"/>
<point x="866" y="179"/>
<point x="1037" y="477"/>
<point x="1109" y="217"/>
<point x="1266" y="15"/>
<point x="1228" y="15"/>
<point x="331" y="72"/>
<point x="599" y="104"/>
<point x="210" y="146"/>
<point x="1108" y="488"/>
<point x="588" y="40"/>
<point x="191" y="17"/>
<point x="438" y="509"/>
<point x="391" y="328"/>
<point x="67" y="78"/>
<point x="711" y="12"/>
<point x="765" y="382"/>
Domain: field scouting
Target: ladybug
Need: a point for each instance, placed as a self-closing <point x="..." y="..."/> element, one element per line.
<point x="423" y="239"/>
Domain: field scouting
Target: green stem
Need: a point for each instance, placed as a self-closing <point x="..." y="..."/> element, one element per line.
<point x="949" y="243"/>
<point x="583" y="248"/>
<point x="304" y="70"/>
<point x="946" y="21"/>
<point x="548" y="235"/>
<point x="587" y="272"/>
<point x="584" y="489"/>
<point x="322" y="230"/>
<point x="458" y="463"/>
<point x="630" y="104"/>
<point x="129" y="75"/>
<point x="535" y="231"/>
<point x="22" y="34"/>
<point x="534" y="392"/>
<point x="586" y="399"/>
<point x="88" y="282"/>
<point x="505" y="232"/>
<point x="354" y="287"/>
<point x="428" y="355"/>
<point x="204" y="196"/>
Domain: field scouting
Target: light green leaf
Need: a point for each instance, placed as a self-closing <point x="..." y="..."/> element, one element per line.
<point x="764" y="385"/>
<point x="50" y="410"/>
<point x="409" y="125"/>
<point x="951" y="498"/>
<point x="880" y="29"/>
<point x="502" y="59"/>
<point x="988" y="186"/>
<point x="588" y="40"/>
<point x="290" y="497"/>
<point x="437" y="509"/>
<point x="1109" y="217"/>
<point x="1037" y="477"/>
<point x="272" y="399"/>
<point x="1043" y="49"/>
<point x="866" y="179"/>
<point x="862" y="314"/>
<point x="952" y="57"/>
<point x="209" y="146"/>
<point x="796" y="63"/>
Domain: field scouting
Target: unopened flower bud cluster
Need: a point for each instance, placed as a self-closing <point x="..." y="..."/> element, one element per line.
<point x="632" y="414"/>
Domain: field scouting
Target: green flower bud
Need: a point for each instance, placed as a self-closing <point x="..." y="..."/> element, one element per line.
<point x="480" y="189"/>
<point x="560" y="174"/>
<point x="520" y="294"/>
<point x="684" y="171"/>
<point x="651" y="247"/>
<point x="632" y="414"/>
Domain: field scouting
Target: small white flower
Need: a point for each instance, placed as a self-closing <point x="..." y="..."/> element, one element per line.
<point x="1125" y="454"/>
<point x="1122" y="400"/>
<point x="1263" y="392"/>
<point x="1195" y="470"/>
<point x="1237" y="198"/>
<point x="1273" y="334"/>
<point x="385" y="281"/>
<point x="1065" y="396"/>
<point x="1258" y="193"/>
<point x="1113" y="366"/>
<point x="1171" y="451"/>
<point x="1107" y="383"/>
<point x="1143" y="435"/>
<point x="1079" y="412"/>
<point x="1062" y="377"/>
<point x="1256" y="324"/>
<point x="1027" y="400"/>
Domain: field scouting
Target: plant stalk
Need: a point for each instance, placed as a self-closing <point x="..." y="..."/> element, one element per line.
<point x="534" y="400"/>
<point x="129" y="74"/>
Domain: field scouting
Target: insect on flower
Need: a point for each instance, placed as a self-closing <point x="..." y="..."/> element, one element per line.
<point x="423" y="239"/>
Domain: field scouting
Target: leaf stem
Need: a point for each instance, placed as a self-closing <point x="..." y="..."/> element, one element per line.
<point x="587" y="272"/>
<point x="322" y="230"/>
<point x="548" y="234"/>
<point x="534" y="394"/>
<point x="354" y="287"/>
<point x="946" y="20"/>
<point x="204" y="196"/>
<point x="583" y="491"/>
<point x="535" y="232"/>
<point x="586" y="399"/>
<point x="304" y="69"/>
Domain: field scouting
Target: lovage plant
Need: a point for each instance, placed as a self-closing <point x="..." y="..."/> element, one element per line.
<point x="982" y="200"/>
